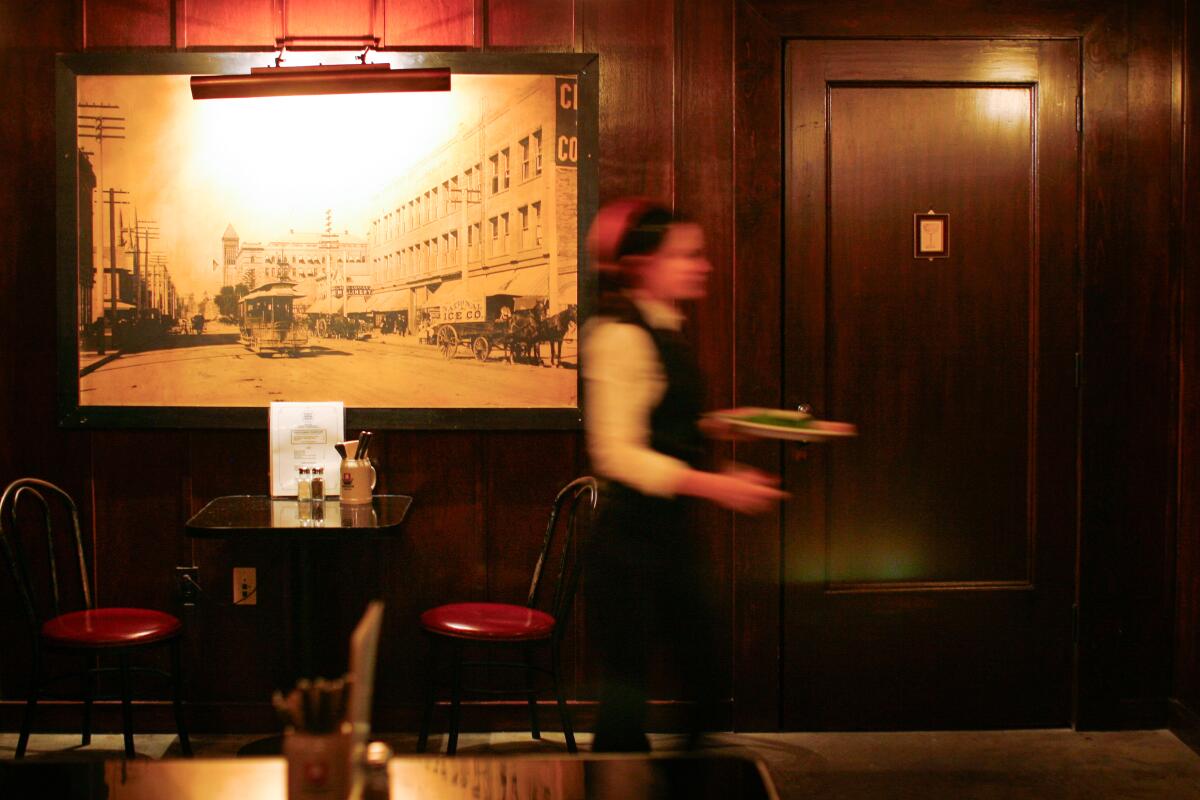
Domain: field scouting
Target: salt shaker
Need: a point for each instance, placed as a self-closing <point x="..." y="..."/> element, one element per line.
<point x="303" y="485"/>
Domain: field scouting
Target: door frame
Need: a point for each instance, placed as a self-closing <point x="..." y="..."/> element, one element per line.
<point x="760" y="35"/>
<point x="1050" y="68"/>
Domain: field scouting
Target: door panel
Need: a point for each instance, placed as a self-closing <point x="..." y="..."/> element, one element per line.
<point x="929" y="562"/>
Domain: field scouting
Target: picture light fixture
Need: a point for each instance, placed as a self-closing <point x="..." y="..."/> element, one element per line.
<point x="281" y="81"/>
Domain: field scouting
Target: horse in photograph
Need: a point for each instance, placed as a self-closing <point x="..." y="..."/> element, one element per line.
<point x="553" y="329"/>
<point x="524" y="328"/>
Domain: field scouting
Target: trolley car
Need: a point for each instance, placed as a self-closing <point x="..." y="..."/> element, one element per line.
<point x="267" y="323"/>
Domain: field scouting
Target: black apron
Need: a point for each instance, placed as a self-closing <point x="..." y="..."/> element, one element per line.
<point x="645" y="580"/>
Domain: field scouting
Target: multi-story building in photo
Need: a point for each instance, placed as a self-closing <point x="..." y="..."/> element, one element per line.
<point x="317" y="261"/>
<point x="491" y="212"/>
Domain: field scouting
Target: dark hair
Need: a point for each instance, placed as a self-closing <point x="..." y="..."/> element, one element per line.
<point x="646" y="232"/>
<point x="642" y="235"/>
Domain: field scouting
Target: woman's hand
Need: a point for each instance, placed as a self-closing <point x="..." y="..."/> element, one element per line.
<point x="745" y="490"/>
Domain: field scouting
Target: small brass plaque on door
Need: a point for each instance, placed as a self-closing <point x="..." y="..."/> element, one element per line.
<point x="931" y="235"/>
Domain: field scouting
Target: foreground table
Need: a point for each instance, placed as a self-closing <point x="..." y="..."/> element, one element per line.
<point x="428" y="778"/>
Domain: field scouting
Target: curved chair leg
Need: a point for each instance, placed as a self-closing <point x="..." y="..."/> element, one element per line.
<point x="563" y="711"/>
<point x="35" y="671"/>
<point x="185" y="744"/>
<point x="455" y="698"/>
<point x="89" y="692"/>
<point x="126" y="704"/>
<point x="531" y="694"/>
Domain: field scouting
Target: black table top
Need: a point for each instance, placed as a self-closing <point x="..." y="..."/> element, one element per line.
<point x="243" y="515"/>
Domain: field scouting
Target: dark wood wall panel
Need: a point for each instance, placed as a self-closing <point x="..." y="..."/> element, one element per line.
<point x="139" y="510"/>
<point x="757" y="294"/>
<point x="703" y="174"/>
<point x="949" y="18"/>
<point x="27" y="357"/>
<point x="321" y="18"/>
<point x="432" y="23"/>
<point x="1128" y="401"/>
<point x="127" y="23"/>
<point x="532" y="23"/>
<point x="1186" y="688"/>
<point x="636" y="43"/>
<point x="228" y="24"/>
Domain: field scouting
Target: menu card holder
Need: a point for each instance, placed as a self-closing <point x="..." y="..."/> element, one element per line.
<point x="303" y="435"/>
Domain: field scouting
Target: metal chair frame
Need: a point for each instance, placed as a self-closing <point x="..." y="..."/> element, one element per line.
<point x="566" y="583"/>
<point x="14" y="554"/>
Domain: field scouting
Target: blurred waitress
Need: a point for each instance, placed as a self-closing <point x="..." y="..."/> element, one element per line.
<point x="646" y="580"/>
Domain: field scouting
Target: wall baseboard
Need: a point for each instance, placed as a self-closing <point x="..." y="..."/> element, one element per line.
<point x="1184" y="723"/>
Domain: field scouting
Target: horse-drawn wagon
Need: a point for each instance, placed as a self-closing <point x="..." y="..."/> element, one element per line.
<point x="499" y="321"/>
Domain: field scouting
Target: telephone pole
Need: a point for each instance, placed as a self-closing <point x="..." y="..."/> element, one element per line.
<point x="102" y="127"/>
<point x="112" y="251"/>
<point x="142" y="230"/>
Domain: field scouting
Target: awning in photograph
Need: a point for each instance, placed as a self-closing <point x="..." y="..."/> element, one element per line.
<point x="121" y="306"/>
<point x="521" y="282"/>
<point x="357" y="304"/>
<point x="395" y="300"/>
<point x="450" y="292"/>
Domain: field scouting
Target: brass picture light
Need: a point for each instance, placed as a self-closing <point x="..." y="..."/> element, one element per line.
<point x="280" y="81"/>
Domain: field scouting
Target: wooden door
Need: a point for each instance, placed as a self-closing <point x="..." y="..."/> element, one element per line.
<point x="929" y="564"/>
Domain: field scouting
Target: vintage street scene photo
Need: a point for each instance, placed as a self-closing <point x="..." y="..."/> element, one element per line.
<point x="405" y="250"/>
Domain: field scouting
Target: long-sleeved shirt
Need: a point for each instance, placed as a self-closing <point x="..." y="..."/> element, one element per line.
<point x="624" y="382"/>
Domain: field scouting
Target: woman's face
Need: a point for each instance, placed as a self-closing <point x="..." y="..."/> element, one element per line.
<point x="679" y="269"/>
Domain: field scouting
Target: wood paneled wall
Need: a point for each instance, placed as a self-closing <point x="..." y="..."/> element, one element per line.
<point x="1186" y="687"/>
<point x="674" y="78"/>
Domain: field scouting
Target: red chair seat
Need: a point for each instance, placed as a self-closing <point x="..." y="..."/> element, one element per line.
<point x="107" y="627"/>
<point x="488" y="622"/>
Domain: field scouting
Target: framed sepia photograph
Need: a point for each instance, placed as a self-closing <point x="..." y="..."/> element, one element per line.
<point x="415" y="255"/>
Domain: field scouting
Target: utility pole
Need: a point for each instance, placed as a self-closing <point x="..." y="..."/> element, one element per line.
<point x="157" y="268"/>
<point x="143" y="231"/>
<point x="112" y="251"/>
<point x="101" y="127"/>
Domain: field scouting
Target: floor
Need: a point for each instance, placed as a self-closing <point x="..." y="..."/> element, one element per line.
<point x="1060" y="764"/>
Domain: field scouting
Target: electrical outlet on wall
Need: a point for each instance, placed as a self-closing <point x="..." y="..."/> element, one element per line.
<point x="187" y="582"/>
<point x="245" y="586"/>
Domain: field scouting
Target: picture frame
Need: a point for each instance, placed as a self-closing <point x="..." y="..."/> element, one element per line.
<point x="931" y="235"/>
<point x="194" y="288"/>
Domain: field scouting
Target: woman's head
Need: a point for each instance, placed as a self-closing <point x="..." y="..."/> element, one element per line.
<point x="642" y="247"/>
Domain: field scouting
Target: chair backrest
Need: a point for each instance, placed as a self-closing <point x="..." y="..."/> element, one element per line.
<point x="565" y="516"/>
<point x="45" y="505"/>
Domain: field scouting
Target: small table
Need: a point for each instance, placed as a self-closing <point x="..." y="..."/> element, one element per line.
<point x="241" y="517"/>
<point x="258" y="517"/>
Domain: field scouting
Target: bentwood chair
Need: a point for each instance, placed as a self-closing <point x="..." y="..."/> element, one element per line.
<point x="524" y="627"/>
<point x="30" y="507"/>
